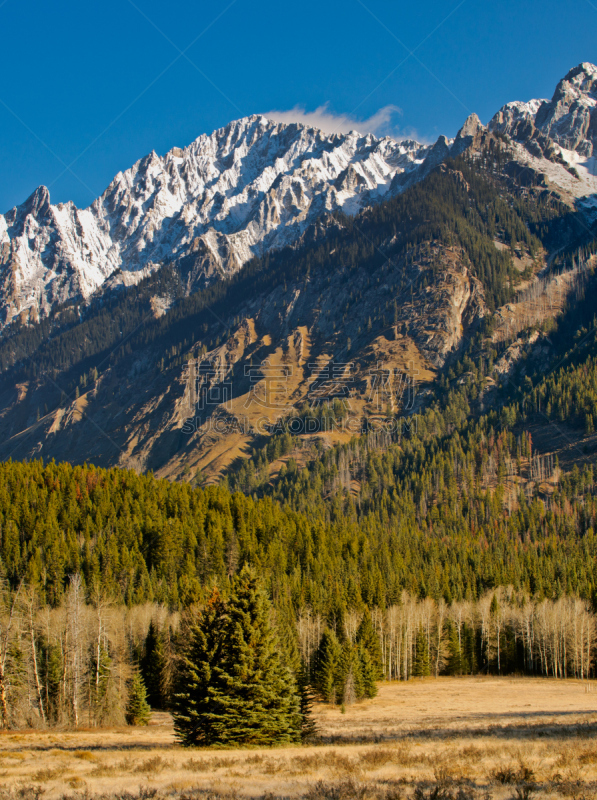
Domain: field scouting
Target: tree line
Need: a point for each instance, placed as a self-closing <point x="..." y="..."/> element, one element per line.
<point x="91" y="661"/>
<point x="423" y="522"/>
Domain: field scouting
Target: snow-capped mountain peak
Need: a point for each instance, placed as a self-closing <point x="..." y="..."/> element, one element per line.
<point x="251" y="185"/>
<point x="254" y="185"/>
<point x="569" y="118"/>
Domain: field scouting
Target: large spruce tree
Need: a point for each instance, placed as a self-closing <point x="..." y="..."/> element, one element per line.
<point x="233" y="686"/>
<point x="326" y="668"/>
<point x="255" y="697"/>
<point x="193" y="704"/>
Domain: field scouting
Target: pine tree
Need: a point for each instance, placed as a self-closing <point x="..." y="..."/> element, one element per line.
<point x="254" y="697"/>
<point x="326" y="667"/>
<point x="308" y="726"/>
<point x="368" y="673"/>
<point x="288" y="637"/>
<point x="138" y="711"/>
<point x="195" y="680"/>
<point x="351" y="684"/>
<point x="51" y="669"/>
<point x="368" y="638"/>
<point x="494" y="607"/>
<point x="455" y="660"/>
<point x="153" y="667"/>
<point x="470" y="650"/>
<point x="421" y="667"/>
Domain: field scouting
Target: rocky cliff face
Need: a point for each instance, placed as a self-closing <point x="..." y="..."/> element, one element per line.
<point x="315" y="338"/>
<point x="569" y="119"/>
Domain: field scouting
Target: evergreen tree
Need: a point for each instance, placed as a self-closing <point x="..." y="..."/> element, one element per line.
<point x="153" y="667"/>
<point x="308" y="726"/>
<point x="471" y="647"/>
<point x="368" y="673"/>
<point x="51" y="669"/>
<point x="494" y="607"/>
<point x="288" y="637"/>
<point x="195" y="680"/>
<point x="421" y="667"/>
<point x="367" y="637"/>
<point x="138" y="711"/>
<point x="454" y="665"/>
<point x="254" y="696"/>
<point x="326" y="667"/>
<point x="234" y="687"/>
<point x="351" y="679"/>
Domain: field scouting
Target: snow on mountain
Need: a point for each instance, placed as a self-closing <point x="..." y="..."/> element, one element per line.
<point x="255" y="185"/>
<point x="569" y="118"/>
<point x="559" y="136"/>
<point x="248" y="187"/>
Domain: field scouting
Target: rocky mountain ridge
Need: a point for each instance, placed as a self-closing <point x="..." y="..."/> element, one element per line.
<point x="569" y="119"/>
<point x="209" y="208"/>
<point x="253" y="186"/>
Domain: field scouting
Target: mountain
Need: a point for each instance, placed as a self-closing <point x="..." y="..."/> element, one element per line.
<point x="569" y="119"/>
<point x="208" y="208"/>
<point x="558" y="137"/>
<point x="386" y="404"/>
<point x="346" y="267"/>
<point x="253" y="186"/>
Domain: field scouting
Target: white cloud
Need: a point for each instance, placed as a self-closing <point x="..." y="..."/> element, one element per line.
<point x="380" y="124"/>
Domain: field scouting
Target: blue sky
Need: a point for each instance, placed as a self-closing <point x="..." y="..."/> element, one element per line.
<point x="90" y="87"/>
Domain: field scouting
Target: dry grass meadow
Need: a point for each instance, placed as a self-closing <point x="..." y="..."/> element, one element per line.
<point x="445" y="739"/>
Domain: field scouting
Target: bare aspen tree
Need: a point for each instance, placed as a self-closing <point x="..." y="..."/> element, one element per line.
<point x="427" y="613"/>
<point x="74" y="610"/>
<point x="351" y="622"/>
<point x="310" y="630"/>
<point x="383" y="626"/>
<point x="378" y="618"/>
<point x="498" y="611"/>
<point x="526" y="625"/>
<point x="411" y="619"/>
<point x="483" y="614"/>
<point x="542" y="629"/>
<point x="440" y="642"/>
<point x="387" y="628"/>
<point x="590" y="630"/>
<point x="30" y="601"/>
<point x="64" y="649"/>
<point x="101" y="603"/>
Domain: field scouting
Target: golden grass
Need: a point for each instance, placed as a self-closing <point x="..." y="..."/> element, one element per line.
<point x="446" y="739"/>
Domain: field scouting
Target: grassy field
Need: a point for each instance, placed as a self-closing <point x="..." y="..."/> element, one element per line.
<point x="445" y="739"/>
